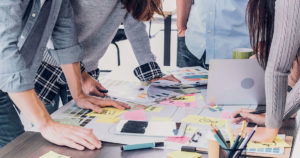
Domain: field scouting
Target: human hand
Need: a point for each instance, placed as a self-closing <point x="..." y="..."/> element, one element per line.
<point x="96" y="103"/>
<point x="246" y="115"/>
<point x="91" y="86"/>
<point x="262" y="134"/>
<point x="72" y="136"/>
<point x="169" y="78"/>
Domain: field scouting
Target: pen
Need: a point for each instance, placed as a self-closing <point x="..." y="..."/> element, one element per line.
<point x="192" y="149"/>
<point x="245" y="142"/>
<point x="243" y="128"/>
<point x="142" y="146"/>
<point x="219" y="134"/>
<point x="235" y="144"/>
<point x="254" y="112"/>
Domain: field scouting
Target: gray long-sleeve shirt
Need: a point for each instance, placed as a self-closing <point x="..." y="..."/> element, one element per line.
<point x="284" y="49"/>
<point x="97" y="22"/>
<point x="17" y="70"/>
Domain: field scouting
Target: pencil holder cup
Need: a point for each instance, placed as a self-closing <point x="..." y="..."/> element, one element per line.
<point x="232" y="153"/>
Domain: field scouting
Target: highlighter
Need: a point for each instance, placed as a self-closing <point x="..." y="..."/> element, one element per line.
<point x="142" y="146"/>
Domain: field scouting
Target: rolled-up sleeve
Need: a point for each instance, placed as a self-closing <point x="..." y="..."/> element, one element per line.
<point x="15" y="76"/>
<point x="67" y="49"/>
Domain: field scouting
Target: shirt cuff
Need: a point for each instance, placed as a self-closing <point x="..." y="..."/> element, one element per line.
<point x="17" y="82"/>
<point x="68" y="55"/>
<point x="148" y="72"/>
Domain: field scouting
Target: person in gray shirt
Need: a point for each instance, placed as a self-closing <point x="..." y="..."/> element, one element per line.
<point x="278" y="42"/>
<point x="25" y="28"/>
<point x="97" y="22"/>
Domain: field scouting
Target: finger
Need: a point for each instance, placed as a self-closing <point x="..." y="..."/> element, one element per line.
<point x="90" y="137"/>
<point x="237" y="120"/>
<point x="106" y="102"/>
<point x="248" y="116"/>
<point x="123" y="104"/>
<point x="173" y="78"/>
<point x="94" y="107"/>
<point x="81" y="141"/>
<point x="72" y="144"/>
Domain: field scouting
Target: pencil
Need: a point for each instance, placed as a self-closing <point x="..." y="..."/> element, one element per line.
<point x="243" y="128"/>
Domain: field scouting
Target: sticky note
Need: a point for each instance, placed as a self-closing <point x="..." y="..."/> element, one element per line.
<point x="154" y="108"/>
<point x="226" y="115"/>
<point x="179" y="103"/>
<point x="204" y="120"/>
<point x="277" y="143"/>
<point x="136" y="115"/>
<point x="106" y="119"/>
<point x="112" y="112"/>
<point x="190" y="129"/>
<point x="185" y="99"/>
<point x="184" y="154"/>
<point x="68" y="121"/>
<point x="161" y="119"/>
<point x="180" y="140"/>
<point x="52" y="154"/>
<point x="201" y="97"/>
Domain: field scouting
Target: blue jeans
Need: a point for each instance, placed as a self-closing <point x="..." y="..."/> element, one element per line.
<point x="10" y="123"/>
<point x="187" y="59"/>
<point x="62" y="94"/>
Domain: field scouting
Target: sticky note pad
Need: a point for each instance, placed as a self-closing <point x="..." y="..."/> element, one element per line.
<point x="112" y="112"/>
<point x="185" y="99"/>
<point x="204" y="120"/>
<point x="52" y="154"/>
<point x="277" y="143"/>
<point x="105" y="119"/>
<point x="136" y="115"/>
<point x="183" y="154"/>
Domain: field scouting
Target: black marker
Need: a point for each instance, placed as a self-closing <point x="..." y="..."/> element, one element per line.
<point x="254" y="112"/>
<point x="192" y="149"/>
<point x="103" y="90"/>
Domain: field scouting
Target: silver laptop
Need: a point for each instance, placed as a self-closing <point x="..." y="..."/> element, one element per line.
<point x="235" y="81"/>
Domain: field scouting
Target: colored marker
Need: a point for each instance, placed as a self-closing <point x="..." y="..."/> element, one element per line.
<point x="192" y="149"/>
<point x="142" y="146"/>
<point x="245" y="142"/>
<point x="243" y="128"/>
<point x="103" y="90"/>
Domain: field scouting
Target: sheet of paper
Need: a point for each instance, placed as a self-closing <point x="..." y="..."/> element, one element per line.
<point x="277" y="143"/>
<point x="52" y="154"/>
<point x="136" y="115"/>
<point x="191" y="129"/>
<point x="183" y="154"/>
<point x="226" y="115"/>
<point x="204" y="120"/>
<point x="180" y="140"/>
<point x="161" y="119"/>
<point x="154" y="108"/>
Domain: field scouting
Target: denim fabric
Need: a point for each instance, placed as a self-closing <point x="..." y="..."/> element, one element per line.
<point x="185" y="58"/>
<point x="17" y="19"/>
<point x="10" y="123"/>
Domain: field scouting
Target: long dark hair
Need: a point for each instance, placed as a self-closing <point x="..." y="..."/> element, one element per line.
<point x="260" y="18"/>
<point x="143" y="10"/>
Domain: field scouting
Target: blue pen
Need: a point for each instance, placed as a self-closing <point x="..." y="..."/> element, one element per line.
<point x="142" y="146"/>
<point x="243" y="145"/>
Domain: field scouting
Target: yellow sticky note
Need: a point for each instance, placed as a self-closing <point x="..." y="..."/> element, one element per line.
<point x="161" y="119"/>
<point x="52" y="154"/>
<point x="183" y="154"/>
<point x="201" y="97"/>
<point x="154" y="108"/>
<point x="112" y="112"/>
<point x="105" y="119"/>
<point x="277" y="143"/>
<point x="204" y="120"/>
<point x="185" y="99"/>
<point x="190" y="129"/>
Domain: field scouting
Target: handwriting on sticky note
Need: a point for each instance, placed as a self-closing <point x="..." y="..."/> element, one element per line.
<point x="204" y="120"/>
<point x="52" y="154"/>
<point x="190" y="129"/>
<point x="183" y="154"/>
<point x="161" y="119"/>
<point x="112" y="112"/>
<point x="226" y="115"/>
<point x="185" y="99"/>
<point x="136" y="115"/>
<point x="180" y="140"/>
<point x="277" y="143"/>
<point x="154" y="108"/>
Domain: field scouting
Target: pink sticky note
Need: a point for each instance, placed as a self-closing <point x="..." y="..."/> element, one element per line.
<point x="181" y="140"/>
<point x="179" y="103"/>
<point x="136" y="115"/>
<point x="190" y="105"/>
<point x="226" y="115"/>
<point x="193" y="94"/>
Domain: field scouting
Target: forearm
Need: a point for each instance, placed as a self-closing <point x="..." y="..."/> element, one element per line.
<point x="183" y="10"/>
<point x="29" y="103"/>
<point x="73" y="75"/>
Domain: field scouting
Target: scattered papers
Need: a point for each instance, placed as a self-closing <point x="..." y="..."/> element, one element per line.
<point x="185" y="98"/>
<point x="179" y="103"/>
<point x="204" y="120"/>
<point x="52" y="154"/>
<point x="180" y="140"/>
<point x="161" y="119"/>
<point x="68" y="121"/>
<point x="108" y="112"/>
<point x="226" y="115"/>
<point x="136" y="115"/>
<point x="277" y="143"/>
<point x="183" y="154"/>
<point x="154" y="109"/>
